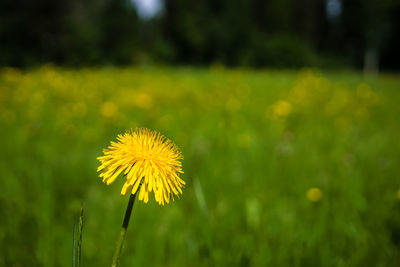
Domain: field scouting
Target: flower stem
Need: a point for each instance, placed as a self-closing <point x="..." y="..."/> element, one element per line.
<point x="76" y="250"/>
<point x="122" y="233"/>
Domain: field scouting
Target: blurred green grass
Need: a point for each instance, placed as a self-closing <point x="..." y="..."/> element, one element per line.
<point x="254" y="143"/>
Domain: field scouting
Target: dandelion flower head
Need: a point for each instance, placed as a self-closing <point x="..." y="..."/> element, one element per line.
<point x="149" y="161"/>
<point x="314" y="194"/>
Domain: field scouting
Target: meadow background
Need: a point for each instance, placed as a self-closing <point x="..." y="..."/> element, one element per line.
<point x="254" y="144"/>
<point x="287" y="114"/>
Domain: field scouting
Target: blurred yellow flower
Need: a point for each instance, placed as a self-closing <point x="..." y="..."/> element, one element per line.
<point x="148" y="160"/>
<point x="300" y="95"/>
<point x="279" y="109"/>
<point x="314" y="194"/>
<point x="143" y="100"/>
<point x="109" y="109"/>
<point x="282" y="108"/>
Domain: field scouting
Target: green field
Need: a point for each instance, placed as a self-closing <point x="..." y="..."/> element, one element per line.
<point x="254" y="144"/>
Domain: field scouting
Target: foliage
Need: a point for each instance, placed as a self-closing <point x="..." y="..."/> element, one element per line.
<point x="280" y="52"/>
<point x="69" y="32"/>
<point x="256" y="33"/>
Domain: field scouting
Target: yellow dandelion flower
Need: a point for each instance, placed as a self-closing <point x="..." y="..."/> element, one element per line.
<point x="279" y="109"/>
<point x="282" y="108"/>
<point x="314" y="194"/>
<point x="149" y="161"/>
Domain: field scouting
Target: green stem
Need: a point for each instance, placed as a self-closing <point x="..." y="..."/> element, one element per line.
<point x="122" y="233"/>
<point x="77" y="244"/>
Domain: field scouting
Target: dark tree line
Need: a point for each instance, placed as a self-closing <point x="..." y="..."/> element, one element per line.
<point x="67" y="32"/>
<point x="257" y="33"/>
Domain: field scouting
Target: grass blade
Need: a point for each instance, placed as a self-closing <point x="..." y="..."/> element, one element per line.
<point x="77" y="241"/>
